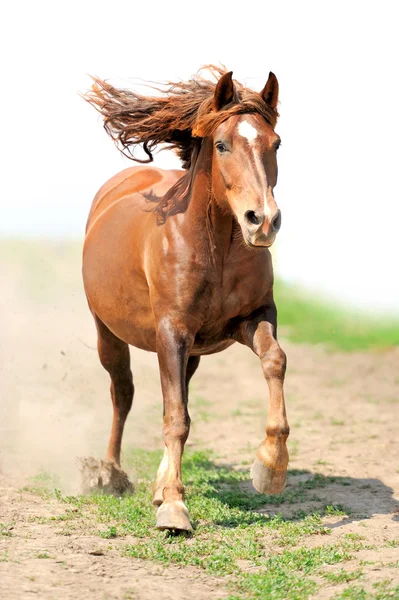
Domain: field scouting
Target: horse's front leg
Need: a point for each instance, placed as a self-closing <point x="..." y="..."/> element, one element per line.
<point x="157" y="500"/>
<point x="270" y="467"/>
<point x="173" y="347"/>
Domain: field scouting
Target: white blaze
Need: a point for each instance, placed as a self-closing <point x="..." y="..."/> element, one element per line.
<point x="248" y="131"/>
<point x="266" y="207"/>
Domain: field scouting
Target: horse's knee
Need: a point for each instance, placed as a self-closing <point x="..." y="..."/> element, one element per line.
<point x="274" y="363"/>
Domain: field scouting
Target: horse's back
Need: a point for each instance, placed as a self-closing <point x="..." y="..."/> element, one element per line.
<point x="132" y="182"/>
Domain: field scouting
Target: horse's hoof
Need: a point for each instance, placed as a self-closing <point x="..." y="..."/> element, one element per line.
<point x="266" y="480"/>
<point x="103" y="476"/>
<point x="173" y="516"/>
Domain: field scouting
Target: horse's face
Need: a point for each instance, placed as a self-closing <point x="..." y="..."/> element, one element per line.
<point x="244" y="166"/>
<point x="245" y="174"/>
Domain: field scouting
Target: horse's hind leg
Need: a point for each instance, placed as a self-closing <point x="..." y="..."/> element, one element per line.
<point x="157" y="500"/>
<point x="115" y="358"/>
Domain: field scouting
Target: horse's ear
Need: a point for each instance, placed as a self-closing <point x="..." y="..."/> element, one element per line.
<point x="224" y="91"/>
<point x="270" y="91"/>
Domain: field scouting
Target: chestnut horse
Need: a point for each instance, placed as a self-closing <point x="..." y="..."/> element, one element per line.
<point x="177" y="262"/>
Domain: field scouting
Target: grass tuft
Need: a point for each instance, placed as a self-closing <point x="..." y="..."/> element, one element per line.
<point x="382" y="591"/>
<point x="6" y="529"/>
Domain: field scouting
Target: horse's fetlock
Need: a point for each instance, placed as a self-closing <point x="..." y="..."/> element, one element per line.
<point x="277" y="431"/>
<point x="173" y="492"/>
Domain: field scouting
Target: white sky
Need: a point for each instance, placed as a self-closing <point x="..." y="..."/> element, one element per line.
<point x="337" y="64"/>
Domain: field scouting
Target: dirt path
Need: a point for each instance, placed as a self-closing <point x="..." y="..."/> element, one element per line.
<point x="37" y="562"/>
<point x="343" y="412"/>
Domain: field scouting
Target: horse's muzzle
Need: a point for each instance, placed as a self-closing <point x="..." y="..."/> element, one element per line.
<point x="261" y="230"/>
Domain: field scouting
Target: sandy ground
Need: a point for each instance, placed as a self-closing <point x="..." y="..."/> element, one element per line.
<point x="342" y="408"/>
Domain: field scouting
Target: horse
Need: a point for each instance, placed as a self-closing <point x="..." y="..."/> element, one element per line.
<point x="178" y="263"/>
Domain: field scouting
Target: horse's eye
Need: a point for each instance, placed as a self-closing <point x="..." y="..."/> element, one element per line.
<point x="220" y="147"/>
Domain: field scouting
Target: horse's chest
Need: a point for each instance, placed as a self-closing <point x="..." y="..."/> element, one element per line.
<point x="230" y="298"/>
<point x="235" y="297"/>
<point x="240" y="292"/>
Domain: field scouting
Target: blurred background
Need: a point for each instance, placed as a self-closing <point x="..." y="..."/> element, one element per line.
<point x="337" y="67"/>
<point x="335" y="257"/>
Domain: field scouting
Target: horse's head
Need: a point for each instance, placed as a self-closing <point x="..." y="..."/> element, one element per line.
<point x="244" y="165"/>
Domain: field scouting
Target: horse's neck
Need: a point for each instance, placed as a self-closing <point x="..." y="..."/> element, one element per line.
<point x="203" y="210"/>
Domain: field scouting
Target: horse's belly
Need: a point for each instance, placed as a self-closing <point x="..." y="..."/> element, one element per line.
<point x="141" y="334"/>
<point x="202" y="348"/>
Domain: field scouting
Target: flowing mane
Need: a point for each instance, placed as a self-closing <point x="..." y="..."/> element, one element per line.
<point x="180" y="116"/>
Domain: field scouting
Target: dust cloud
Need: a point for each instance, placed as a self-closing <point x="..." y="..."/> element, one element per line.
<point x="54" y="395"/>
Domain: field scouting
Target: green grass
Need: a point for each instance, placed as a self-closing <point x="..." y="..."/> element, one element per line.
<point x="392" y="544"/>
<point x="304" y="317"/>
<point x="258" y="555"/>
<point x="382" y="590"/>
<point x="43" y="555"/>
<point x="343" y="576"/>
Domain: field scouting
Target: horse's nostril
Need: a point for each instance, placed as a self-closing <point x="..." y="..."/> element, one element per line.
<point x="253" y="218"/>
<point x="276" y="221"/>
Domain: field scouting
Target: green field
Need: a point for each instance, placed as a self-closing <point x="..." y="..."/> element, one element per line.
<point x="306" y="318"/>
